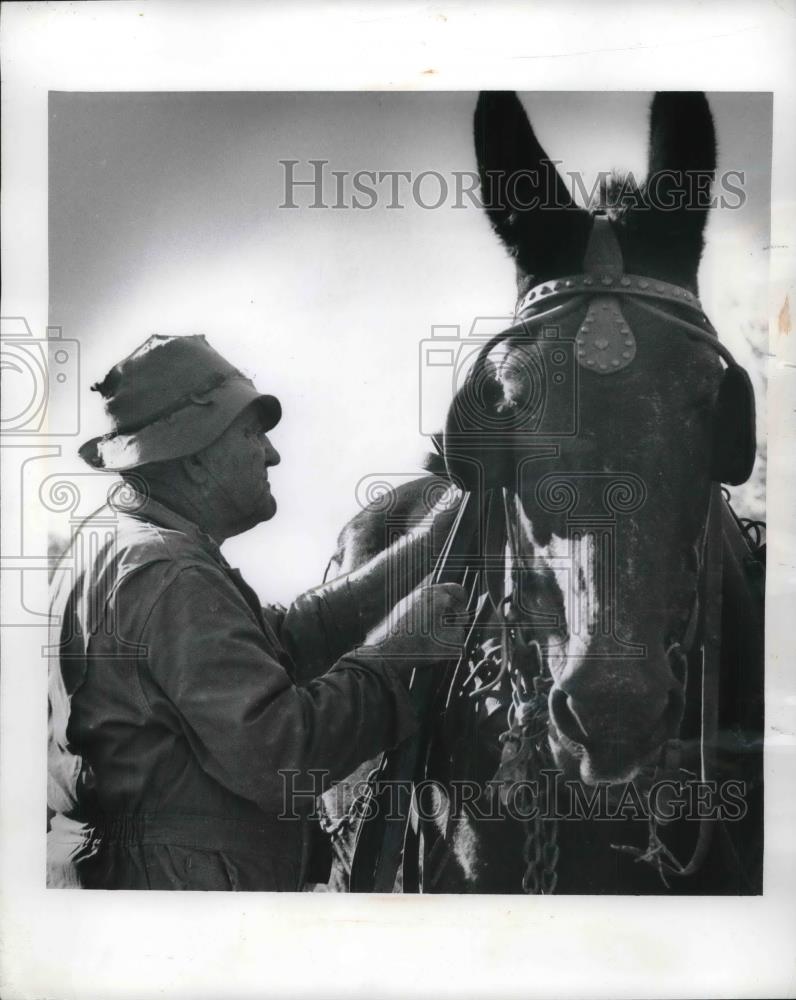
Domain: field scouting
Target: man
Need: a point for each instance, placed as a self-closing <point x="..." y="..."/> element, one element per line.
<point x="177" y="704"/>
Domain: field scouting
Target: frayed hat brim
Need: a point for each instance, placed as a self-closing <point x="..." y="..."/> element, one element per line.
<point x="183" y="432"/>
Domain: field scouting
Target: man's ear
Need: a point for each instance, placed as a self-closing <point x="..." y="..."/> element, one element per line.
<point x="194" y="469"/>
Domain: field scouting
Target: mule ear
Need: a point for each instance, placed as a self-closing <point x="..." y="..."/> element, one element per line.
<point x="682" y="135"/>
<point x="680" y="171"/>
<point x="523" y="194"/>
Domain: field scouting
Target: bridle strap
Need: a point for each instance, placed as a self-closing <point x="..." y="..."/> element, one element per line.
<point x="379" y="842"/>
<point x="631" y="285"/>
<point x="711" y="665"/>
<point x="526" y="314"/>
<point x="707" y="335"/>
<point x="576" y="291"/>
<point x="603" y="255"/>
<point x="685" y="644"/>
<point x="710" y="649"/>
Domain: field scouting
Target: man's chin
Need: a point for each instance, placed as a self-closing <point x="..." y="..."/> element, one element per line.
<point x="264" y="512"/>
<point x="269" y="507"/>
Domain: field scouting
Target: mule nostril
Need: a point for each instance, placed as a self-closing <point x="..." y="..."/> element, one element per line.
<point x="564" y="716"/>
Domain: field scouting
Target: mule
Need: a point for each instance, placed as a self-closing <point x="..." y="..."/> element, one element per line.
<point x="616" y="653"/>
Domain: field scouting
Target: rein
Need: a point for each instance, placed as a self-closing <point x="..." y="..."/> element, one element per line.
<point x="379" y="842"/>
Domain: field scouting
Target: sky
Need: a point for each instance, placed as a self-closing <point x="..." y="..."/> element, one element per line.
<point x="165" y="218"/>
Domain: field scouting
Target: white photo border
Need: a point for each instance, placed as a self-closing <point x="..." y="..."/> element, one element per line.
<point x="107" y="945"/>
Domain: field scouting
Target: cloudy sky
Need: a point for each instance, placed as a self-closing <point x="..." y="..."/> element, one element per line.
<point x="165" y="217"/>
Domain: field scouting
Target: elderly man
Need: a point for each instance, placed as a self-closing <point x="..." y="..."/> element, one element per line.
<point x="177" y="703"/>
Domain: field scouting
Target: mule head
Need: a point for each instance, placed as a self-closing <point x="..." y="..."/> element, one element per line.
<point x="612" y="472"/>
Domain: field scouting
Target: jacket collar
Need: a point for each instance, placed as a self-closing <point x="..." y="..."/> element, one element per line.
<point x="145" y="508"/>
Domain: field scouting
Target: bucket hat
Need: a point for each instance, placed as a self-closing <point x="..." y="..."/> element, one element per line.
<point x="172" y="396"/>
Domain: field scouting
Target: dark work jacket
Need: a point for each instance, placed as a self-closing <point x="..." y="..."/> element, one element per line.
<point x="181" y="714"/>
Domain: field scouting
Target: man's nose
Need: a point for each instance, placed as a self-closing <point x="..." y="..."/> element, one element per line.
<point x="272" y="456"/>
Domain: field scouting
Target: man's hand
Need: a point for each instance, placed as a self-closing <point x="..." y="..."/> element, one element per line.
<point x="426" y="627"/>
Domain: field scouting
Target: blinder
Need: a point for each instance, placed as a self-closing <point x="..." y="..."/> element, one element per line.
<point x="734" y="439"/>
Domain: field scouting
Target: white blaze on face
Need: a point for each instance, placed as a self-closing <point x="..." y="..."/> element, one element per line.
<point x="574" y="564"/>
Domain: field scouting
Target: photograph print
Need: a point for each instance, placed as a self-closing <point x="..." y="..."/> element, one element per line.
<point x="407" y="525"/>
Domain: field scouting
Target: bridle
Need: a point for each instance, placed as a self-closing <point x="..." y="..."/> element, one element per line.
<point x="604" y="344"/>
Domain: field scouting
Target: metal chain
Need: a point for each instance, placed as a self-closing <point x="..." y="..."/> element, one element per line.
<point x="527" y="736"/>
<point x="540" y="850"/>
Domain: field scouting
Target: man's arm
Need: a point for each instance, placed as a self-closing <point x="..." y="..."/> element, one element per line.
<point x="239" y="709"/>
<point x="328" y="621"/>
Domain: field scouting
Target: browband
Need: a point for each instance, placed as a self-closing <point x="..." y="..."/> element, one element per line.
<point x="592" y="284"/>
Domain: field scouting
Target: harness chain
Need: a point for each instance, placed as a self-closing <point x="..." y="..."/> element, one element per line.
<point x="526" y="753"/>
<point x="525" y="743"/>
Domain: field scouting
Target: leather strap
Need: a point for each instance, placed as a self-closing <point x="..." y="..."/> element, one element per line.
<point x="603" y="254"/>
<point x="213" y="833"/>
<point x="377" y="851"/>
<point x="633" y="285"/>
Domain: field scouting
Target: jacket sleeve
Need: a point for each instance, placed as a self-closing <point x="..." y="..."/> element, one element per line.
<point x="319" y="627"/>
<point x="325" y="622"/>
<point x="242" y="714"/>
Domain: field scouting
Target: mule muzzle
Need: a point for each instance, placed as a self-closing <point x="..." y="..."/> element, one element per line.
<point x="611" y="734"/>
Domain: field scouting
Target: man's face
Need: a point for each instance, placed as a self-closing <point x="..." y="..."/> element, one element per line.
<point x="237" y="469"/>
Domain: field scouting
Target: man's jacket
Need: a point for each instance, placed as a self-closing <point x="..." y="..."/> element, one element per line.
<point x="181" y="714"/>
